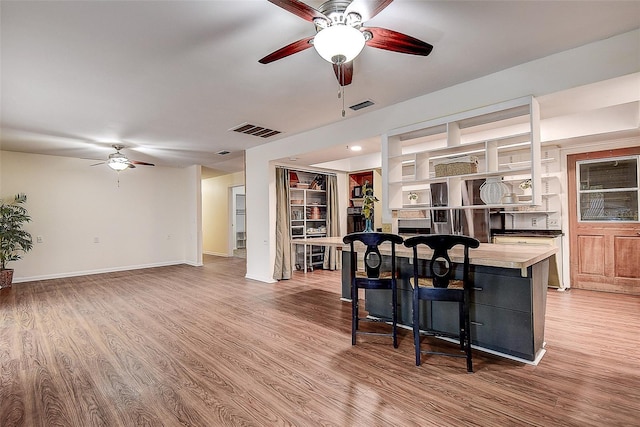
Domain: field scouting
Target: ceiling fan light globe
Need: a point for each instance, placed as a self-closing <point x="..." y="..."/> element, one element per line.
<point x="117" y="164"/>
<point x="339" y="43"/>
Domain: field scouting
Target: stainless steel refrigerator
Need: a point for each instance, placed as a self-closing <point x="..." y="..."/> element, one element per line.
<point x="470" y="222"/>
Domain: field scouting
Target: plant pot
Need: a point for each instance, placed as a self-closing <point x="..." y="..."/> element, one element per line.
<point x="6" y="278"/>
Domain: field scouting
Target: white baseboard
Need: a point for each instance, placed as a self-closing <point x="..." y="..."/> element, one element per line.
<point x="216" y="254"/>
<point x="261" y="279"/>
<point x="98" y="271"/>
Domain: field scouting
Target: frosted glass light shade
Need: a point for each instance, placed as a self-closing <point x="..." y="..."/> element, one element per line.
<point x="339" y="43"/>
<point x="118" y="164"/>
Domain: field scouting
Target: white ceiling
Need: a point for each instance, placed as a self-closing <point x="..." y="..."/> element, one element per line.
<point x="168" y="79"/>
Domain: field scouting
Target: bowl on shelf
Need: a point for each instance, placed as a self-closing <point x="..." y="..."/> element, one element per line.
<point x="510" y="198"/>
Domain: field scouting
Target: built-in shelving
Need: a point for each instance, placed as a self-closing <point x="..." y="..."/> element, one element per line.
<point x="308" y="216"/>
<point x="501" y="140"/>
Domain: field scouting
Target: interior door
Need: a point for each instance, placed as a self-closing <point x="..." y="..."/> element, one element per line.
<point x="603" y="220"/>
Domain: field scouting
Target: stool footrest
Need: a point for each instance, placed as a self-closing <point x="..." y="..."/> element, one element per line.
<point x="440" y="353"/>
<point x="375" y="333"/>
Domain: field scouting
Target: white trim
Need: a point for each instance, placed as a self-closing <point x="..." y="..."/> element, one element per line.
<point x="261" y="279"/>
<point x="101" y="271"/>
<point x="217" y="254"/>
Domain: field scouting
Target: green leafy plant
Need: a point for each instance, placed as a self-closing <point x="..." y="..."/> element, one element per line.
<point x="368" y="200"/>
<point x="13" y="239"/>
<point x="526" y="184"/>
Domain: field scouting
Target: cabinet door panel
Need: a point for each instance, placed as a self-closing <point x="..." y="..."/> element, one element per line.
<point x="502" y="330"/>
<point x="507" y="292"/>
<point x="499" y="329"/>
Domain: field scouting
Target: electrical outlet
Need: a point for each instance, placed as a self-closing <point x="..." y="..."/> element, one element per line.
<point x="39" y="239"/>
<point x="534" y="222"/>
<point x="553" y="223"/>
<point x="96" y="240"/>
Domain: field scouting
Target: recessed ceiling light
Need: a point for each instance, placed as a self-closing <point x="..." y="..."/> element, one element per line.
<point x="355" y="148"/>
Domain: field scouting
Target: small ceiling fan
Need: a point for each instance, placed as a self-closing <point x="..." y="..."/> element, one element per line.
<point x="118" y="161"/>
<point x="340" y="35"/>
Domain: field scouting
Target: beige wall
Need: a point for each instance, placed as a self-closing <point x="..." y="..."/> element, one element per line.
<point x="216" y="223"/>
<point x="89" y="224"/>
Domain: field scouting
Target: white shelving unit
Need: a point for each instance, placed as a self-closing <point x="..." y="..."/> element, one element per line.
<point x="308" y="214"/>
<point x="504" y="138"/>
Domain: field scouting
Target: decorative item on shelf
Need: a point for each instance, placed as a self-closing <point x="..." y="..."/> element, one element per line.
<point x="413" y="198"/>
<point x="526" y="187"/>
<point x="13" y="239"/>
<point x="510" y="198"/>
<point x="492" y="190"/>
<point x="314" y="212"/>
<point x="368" y="199"/>
<point x="456" y="166"/>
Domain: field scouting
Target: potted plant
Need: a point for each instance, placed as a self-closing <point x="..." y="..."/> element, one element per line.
<point x="526" y="187"/>
<point x="413" y="198"/>
<point x="13" y="239"/>
<point x="367" y="206"/>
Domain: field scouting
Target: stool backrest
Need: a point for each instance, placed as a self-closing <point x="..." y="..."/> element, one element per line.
<point x="372" y="256"/>
<point x="440" y="267"/>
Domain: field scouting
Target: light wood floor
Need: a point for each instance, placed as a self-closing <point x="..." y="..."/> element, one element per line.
<point x="203" y="346"/>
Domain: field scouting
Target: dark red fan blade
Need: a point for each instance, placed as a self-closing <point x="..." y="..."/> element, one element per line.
<point x="299" y="8"/>
<point x="289" y="49"/>
<point x="397" y="42"/>
<point x="133" y="162"/>
<point x="367" y="9"/>
<point x="344" y="75"/>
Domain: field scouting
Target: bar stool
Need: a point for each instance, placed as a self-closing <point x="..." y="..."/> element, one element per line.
<point x="437" y="284"/>
<point x="378" y="275"/>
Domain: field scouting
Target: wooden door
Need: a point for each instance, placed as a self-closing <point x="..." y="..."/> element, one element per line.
<point x="604" y="254"/>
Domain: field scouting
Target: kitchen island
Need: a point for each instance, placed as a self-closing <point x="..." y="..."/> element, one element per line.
<point x="508" y="300"/>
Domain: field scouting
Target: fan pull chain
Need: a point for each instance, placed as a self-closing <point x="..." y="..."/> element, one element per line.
<point x="343" y="101"/>
<point x="341" y="88"/>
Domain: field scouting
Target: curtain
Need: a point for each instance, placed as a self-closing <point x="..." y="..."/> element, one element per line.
<point x="282" y="267"/>
<point x="331" y="259"/>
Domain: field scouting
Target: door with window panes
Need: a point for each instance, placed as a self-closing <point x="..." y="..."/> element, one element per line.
<point x="604" y="189"/>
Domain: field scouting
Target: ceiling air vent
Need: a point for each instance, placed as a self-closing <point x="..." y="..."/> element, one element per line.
<point x="361" y="105"/>
<point x="254" y="130"/>
<point x="223" y="152"/>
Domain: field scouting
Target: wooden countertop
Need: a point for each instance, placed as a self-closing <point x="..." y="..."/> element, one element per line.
<point x="488" y="254"/>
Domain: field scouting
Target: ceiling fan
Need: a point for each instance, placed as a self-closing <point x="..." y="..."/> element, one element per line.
<point x="118" y="161"/>
<point x="340" y="35"/>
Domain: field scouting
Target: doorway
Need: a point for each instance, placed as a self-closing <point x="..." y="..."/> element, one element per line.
<point x="604" y="227"/>
<point x="238" y="238"/>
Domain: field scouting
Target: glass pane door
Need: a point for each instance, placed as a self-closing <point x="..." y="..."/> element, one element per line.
<point x="608" y="189"/>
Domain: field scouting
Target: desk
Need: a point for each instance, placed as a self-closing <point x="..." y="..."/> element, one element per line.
<point x="508" y="302"/>
<point x="318" y="241"/>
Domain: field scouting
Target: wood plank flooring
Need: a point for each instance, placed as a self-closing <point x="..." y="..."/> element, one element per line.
<point x="187" y="346"/>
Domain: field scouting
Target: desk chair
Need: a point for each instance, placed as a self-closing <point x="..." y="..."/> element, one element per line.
<point x="437" y="284"/>
<point x="377" y="275"/>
